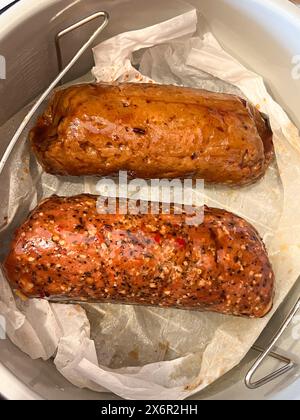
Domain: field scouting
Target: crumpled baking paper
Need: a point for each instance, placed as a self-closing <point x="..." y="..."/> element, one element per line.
<point x="154" y="353"/>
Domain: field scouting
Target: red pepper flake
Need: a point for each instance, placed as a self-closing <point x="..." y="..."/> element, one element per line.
<point x="100" y="237"/>
<point x="181" y="242"/>
<point x="157" y="238"/>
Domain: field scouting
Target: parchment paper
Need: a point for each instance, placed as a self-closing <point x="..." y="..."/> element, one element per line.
<point x="140" y="352"/>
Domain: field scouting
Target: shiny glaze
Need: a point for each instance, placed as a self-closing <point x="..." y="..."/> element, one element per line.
<point x="67" y="249"/>
<point x="152" y="131"/>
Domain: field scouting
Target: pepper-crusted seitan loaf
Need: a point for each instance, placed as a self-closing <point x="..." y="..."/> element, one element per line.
<point x="153" y="131"/>
<point x="66" y="248"/>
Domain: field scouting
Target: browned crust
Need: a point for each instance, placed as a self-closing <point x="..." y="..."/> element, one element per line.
<point x="153" y="131"/>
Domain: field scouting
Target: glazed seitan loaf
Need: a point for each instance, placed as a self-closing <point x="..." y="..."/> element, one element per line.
<point x="153" y="131"/>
